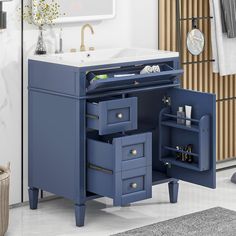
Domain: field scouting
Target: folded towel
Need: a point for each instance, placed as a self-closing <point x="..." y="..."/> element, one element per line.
<point x="146" y="70"/>
<point x="223" y="48"/>
<point x="228" y="11"/>
<point x="156" y="69"/>
<point x="150" y="69"/>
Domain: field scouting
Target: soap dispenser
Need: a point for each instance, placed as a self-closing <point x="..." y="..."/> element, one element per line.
<point x="3" y="15"/>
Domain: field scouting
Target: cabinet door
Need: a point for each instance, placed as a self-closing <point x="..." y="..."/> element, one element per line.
<point x="204" y="114"/>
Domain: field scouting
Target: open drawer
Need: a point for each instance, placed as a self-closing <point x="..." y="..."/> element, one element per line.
<point x="189" y="151"/>
<point x="126" y="77"/>
<point x="120" y="167"/>
<point x="119" y="152"/>
<point x="112" y="116"/>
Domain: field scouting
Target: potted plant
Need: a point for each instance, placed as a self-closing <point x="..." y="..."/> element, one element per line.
<point x="41" y="13"/>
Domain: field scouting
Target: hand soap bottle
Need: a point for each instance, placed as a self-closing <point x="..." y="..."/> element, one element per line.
<point x="180" y="114"/>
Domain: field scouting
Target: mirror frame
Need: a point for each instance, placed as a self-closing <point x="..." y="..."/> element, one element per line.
<point x="68" y="19"/>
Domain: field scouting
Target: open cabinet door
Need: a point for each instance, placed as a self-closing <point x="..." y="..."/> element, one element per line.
<point x="201" y="135"/>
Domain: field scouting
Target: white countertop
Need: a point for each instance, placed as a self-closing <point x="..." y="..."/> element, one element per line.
<point x="105" y="56"/>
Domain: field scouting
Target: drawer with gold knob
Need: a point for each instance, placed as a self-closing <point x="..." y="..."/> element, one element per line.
<point x="133" y="151"/>
<point x="112" y="116"/>
<point x="123" y="187"/>
<point x="120" y="166"/>
<point x="120" y="152"/>
<point x="132" y="185"/>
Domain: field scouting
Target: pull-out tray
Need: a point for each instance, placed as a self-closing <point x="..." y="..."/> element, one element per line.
<point x="117" y="77"/>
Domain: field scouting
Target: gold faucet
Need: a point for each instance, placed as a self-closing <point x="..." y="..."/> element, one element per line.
<point x="82" y="46"/>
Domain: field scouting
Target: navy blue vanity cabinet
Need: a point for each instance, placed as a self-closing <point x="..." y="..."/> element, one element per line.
<point x="115" y="137"/>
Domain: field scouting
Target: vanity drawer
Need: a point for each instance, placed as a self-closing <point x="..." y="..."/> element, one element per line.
<point x="112" y="116"/>
<point x="131" y="77"/>
<point x="123" y="187"/>
<point x="133" y="184"/>
<point x="121" y="152"/>
<point x="133" y="151"/>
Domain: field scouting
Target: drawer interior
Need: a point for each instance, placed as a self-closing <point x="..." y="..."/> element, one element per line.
<point x="125" y="77"/>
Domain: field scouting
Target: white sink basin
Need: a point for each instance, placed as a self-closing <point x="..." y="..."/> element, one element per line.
<point x="106" y="56"/>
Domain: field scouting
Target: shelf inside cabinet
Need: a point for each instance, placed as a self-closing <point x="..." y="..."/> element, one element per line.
<point x="173" y="135"/>
<point x="173" y="161"/>
<point x="180" y="151"/>
<point x="173" y="124"/>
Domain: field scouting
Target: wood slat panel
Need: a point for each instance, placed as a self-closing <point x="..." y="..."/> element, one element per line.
<point x="200" y="76"/>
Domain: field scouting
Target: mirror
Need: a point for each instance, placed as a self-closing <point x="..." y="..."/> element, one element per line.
<point x="84" y="10"/>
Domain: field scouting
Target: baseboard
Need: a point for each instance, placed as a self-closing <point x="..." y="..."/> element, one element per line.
<point x="45" y="199"/>
<point x="226" y="164"/>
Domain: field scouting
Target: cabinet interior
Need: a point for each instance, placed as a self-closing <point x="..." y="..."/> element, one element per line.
<point x="160" y="119"/>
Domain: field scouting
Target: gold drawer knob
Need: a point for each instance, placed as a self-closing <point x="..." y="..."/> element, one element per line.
<point x="119" y="115"/>
<point x="134" y="152"/>
<point x="134" y="185"/>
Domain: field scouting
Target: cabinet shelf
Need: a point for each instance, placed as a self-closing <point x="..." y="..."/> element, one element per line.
<point x="180" y="151"/>
<point x="171" y="160"/>
<point x="184" y="118"/>
<point x="173" y="124"/>
<point x="173" y="134"/>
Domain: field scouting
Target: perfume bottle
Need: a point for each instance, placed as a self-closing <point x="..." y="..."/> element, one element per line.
<point x="190" y="157"/>
<point x="180" y="116"/>
<point x="178" y="154"/>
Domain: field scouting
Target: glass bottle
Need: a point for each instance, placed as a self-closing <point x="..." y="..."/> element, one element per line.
<point x="180" y="114"/>
<point x="40" y="48"/>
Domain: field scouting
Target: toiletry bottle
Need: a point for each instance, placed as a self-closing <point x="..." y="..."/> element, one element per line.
<point x="190" y="157"/>
<point x="188" y="112"/>
<point x="178" y="154"/>
<point x="180" y="114"/>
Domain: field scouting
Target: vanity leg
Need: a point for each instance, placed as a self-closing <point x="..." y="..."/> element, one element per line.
<point x="79" y="214"/>
<point x="173" y="191"/>
<point x="33" y="198"/>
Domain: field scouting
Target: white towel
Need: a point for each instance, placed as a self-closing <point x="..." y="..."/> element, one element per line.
<point x="223" y="48"/>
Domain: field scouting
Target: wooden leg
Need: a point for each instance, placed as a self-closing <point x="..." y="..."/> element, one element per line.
<point x="80" y="214"/>
<point x="33" y="198"/>
<point x="173" y="191"/>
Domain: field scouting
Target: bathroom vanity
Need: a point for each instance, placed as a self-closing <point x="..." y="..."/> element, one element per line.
<point x="115" y="137"/>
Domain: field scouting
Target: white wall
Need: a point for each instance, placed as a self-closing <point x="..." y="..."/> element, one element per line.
<point x="144" y="26"/>
<point x="135" y="25"/>
<point x="10" y="98"/>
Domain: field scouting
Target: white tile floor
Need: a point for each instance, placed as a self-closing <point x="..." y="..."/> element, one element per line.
<point x="54" y="218"/>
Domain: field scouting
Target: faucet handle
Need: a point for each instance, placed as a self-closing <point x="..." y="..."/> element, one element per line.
<point x="91" y="48"/>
